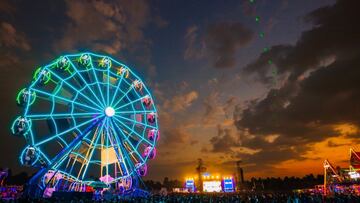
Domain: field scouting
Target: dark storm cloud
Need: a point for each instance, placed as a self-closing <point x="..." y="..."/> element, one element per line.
<point x="219" y="43"/>
<point x="334" y="33"/>
<point x="306" y="108"/>
<point x="224" y="39"/>
<point x="113" y="27"/>
<point x="90" y="22"/>
<point x="224" y="140"/>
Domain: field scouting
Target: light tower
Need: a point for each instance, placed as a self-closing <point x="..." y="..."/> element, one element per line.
<point x="200" y="169"/>
<point x="240" y="175"/>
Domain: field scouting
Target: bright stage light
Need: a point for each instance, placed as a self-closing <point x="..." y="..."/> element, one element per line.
<point x="212" y="186"/>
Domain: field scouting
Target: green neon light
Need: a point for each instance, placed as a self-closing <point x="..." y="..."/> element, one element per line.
<point x="45" y="77"/>
<point x="63" y="63"/>
<point x="85" y="60"/>
<point x="105" y="62"/>
<point x="21" y="95"/>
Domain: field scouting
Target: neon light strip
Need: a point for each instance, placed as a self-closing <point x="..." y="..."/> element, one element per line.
<point x="125" y="94"/>
<point x="116" y="90"/>
<point x="72" y="64"/>
<point x="66" y="131"/>
<point x="108" y="85"/>
<point x="119" y="143"/>
<point x="76" y="90"/>
<point x="60" y="115"/>
<point x="96" y="78"/>
<point x="127" y="104"/>
<point x="136" y="122"/>
<point x="90" y="147"/>
<point x="92" y="152"/>
<point x="129" y="142"/>
<point x="64" y="99"/>
<point x="134" y="112"/>
<point x="84" y="82"/>
<point x="132" y="131"/>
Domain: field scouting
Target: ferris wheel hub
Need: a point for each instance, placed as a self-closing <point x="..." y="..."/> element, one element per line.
<point x="109" y="111"/>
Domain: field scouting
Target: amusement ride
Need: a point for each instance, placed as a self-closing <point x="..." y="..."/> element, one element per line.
<point x="88" y="121"/>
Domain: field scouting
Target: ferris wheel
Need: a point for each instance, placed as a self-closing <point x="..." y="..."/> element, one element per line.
<point x="87" y="118"/>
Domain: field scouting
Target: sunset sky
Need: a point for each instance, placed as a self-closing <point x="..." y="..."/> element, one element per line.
<point x="220" y="95"/>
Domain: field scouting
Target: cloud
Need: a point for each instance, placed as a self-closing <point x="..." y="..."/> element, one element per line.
<point x="224" y="39"/>
<point x="181" y="102"/>
<point x="173" y="113"/>
<point x="333" y="34"/>
<point x="12" y="42"/>
<point x="194" y="50"/>
<point x="176" y="136"/>
<point x="11" y="38"/>
<point x="224" y="141"/>
<point x="333" y="144"/>
<point x="212" y="108"/>
<point x="218" y="44"/>
<point x="229" y="105"/>
<point x="105" y="26"/>
<point x="115" y="27"/>
<point x="316" y="96"/>
<point x="216" y="109"/>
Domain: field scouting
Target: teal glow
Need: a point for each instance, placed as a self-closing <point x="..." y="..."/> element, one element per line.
<point x="82" y="90"/>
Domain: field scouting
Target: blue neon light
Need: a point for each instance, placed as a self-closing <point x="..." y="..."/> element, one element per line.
<point x="73" y="95"/>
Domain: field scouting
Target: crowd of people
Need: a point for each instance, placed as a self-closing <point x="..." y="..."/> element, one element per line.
<point x="211" y="198"/>
<point x="12" y="192"/>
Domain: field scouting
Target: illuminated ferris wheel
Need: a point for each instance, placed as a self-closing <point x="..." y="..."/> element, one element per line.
<point x="86" y="119"/>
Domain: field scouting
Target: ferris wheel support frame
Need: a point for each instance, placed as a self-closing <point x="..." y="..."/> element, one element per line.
<point x="33" y="189"/>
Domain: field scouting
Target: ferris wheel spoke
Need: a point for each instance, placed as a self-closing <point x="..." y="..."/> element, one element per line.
<point x="89" y="152"/>
<point x="125" y="94"/>
<point x="134" y="121"/>
<point x="61" y="115"/>
<point x="93" y="149"/>
<point x="44" y="156"/>
<point x="76" y="90"/>
<point x="130" y="103"/>
<point x="116" y="91"/>
<point x="128" y="141"/>
<point x="134" y="112"/>
<point x="97" y="82"/>
<point x="108" y="85"/>
<point x="63" y="99"/>
<point x="114" y="140"/>
<point x="122" y="150"/>
<point x="84" y="81"/>
<point x="127" y="162"/>
<point x="133" y="131"/>
<point x="65" y="157"/>
<point x="66" y="131"/>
